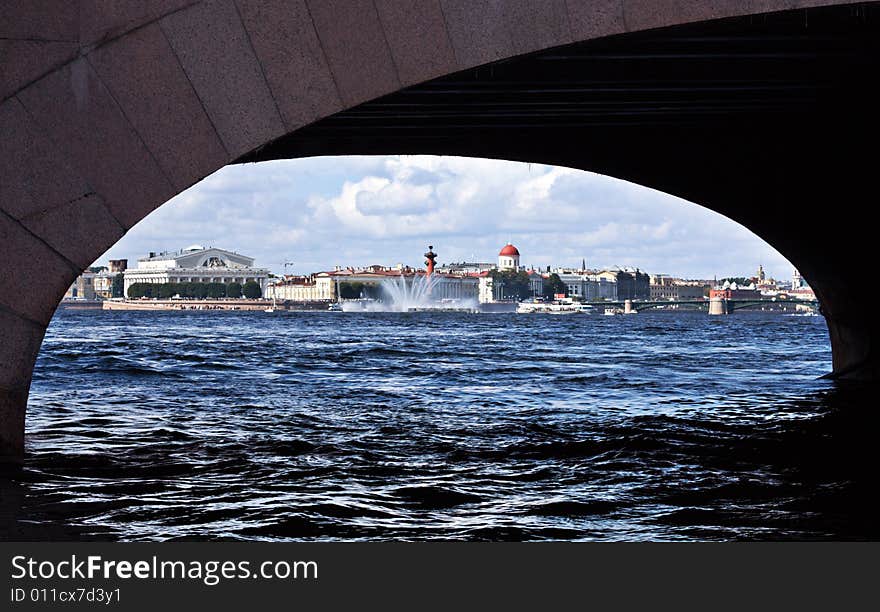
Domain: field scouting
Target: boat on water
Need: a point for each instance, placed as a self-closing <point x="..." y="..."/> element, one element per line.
<point x="272" y="307"/>
<point x="613" y="310"/>
<point x="552" y="308"/>
<point x="335" y="307"/>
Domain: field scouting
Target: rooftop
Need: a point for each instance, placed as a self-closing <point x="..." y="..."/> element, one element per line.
<point x="194" y="248"/>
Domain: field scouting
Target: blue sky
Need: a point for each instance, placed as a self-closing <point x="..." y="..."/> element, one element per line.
<point x="327" y="211"/>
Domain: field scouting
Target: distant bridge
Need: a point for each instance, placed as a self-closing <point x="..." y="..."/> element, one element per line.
<point x="715" y="306"/>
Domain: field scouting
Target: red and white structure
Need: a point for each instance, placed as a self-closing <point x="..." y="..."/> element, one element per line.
<point x="508" y="258"/>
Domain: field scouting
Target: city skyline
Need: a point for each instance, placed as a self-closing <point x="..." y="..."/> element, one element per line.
<point x="325" y="212"/>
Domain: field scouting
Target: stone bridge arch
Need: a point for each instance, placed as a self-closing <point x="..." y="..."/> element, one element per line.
<point x="109" y="109"/>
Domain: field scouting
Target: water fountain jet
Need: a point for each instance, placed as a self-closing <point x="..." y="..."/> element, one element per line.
<point x="413" y="293"/>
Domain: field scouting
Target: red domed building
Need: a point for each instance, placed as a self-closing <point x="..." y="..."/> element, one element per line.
<point x="508" y="258"/>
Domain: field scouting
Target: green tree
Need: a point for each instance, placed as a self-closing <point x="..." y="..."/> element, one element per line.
<point x="118" y="286"/>
<point x="233" y="290"/>
<point x="198" y="291"/>
<point x="353" y="290"/>
<point x="252" y="290"/>
<point x="553" y="285"/>
<point x="512" y="284"/>
<point x="218" y="290"/>
<point x="139" y="290"/>
<point x="185" y="290"/>
<point x="349" y="290"/>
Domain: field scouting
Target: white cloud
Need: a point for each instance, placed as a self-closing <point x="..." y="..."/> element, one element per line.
<point x="321" y="212"/>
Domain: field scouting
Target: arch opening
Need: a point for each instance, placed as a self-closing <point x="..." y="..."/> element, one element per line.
<point x="356" y="427"/>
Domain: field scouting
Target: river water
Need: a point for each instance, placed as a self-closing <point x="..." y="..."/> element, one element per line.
<point x="341" y="426"/>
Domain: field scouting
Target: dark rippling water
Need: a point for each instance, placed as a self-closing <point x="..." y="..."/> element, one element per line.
<point x="146" y="426"/>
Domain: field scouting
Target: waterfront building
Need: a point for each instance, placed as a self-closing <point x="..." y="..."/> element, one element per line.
<point x="83" y="287"/>
<point x="315" y="288"/>
<point x="667" y="288"/>
<point x="732" y="291"/>
<point x="662" y="288"/>
<point x="632" y="284"/>
<point x="589" y="287"/>
<point x="196" y="264"/>
<point x="479" y="273"/>
<point x="536" y="282"/>
<point x="94" y="284"/>
<point x="466" y="267"/>
<point x="804" y="293"/>
<point x="103" y="284"/>
<point x="485" y="287"/>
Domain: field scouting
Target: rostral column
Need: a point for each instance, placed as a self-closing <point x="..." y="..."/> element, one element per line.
<point x="430" y="256"/>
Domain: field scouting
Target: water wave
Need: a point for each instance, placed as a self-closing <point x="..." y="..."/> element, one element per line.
<point x="329" y="426"/>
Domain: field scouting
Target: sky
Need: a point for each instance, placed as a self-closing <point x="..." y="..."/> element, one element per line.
<point x="362" y="210"/>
